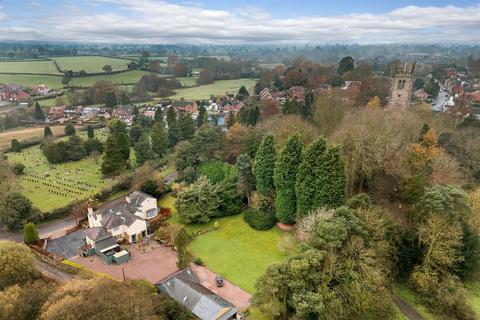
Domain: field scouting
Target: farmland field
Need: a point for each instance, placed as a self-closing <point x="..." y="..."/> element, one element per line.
<point x="91" y="63"/>
<point x="25" y="134"/>
<point x="128" y="77"/>
<point x="34" y="66"/>
<point x="220" y="87"/>
<point x="50" y="186"/>
<point x="53" y="82"/>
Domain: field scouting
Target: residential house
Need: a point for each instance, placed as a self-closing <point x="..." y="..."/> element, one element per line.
<point x="185" y="288"/>
<point x="12" y="92"/>
<point x="90" y="112"/>
<point x="183" y="106"/>
<point x="41" y="90"/>
<point x="150" y="111"/>
<point x="73" y="112"/>
<point x="266" y="93"/>
<point x="124" y="113"/>
<point x="126" y="218"/>
<point x="296" y="93"/>
<point x="420" y="94"/>
<point x="55" y="113"/>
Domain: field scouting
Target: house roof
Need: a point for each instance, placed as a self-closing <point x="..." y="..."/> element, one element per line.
<point x="137" y="197"/>
<point x="182" y="103"/>
<point x="184" y="287"/>
<point x="118" y="212"/>
<point x="96" y="233"/>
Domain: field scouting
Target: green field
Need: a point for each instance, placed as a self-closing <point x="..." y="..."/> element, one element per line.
<point x="235" y="250"/>
<point x="34" y="66"/>
<point x="188" y="81"/>
<point x="219" y="88"/>
<point x="50" y="186"/>
<point x="128" y="77"/>
<point x="91" y="63"/>
<point x="26" y="80"/>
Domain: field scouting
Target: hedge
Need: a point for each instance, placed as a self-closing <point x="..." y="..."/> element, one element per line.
<point x="259" y="220"/>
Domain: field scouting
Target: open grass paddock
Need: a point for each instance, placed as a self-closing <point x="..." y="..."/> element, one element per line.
<point x="50" y="186"/>
<point x="34" y="66"/>
<point x="91" y="63"/>
<point x="219" y="88"/>
<point x="235" y="250"/>
<point x="123" y="78"/>
<point x="26" y="134"/>
<point x="27" y="80"/>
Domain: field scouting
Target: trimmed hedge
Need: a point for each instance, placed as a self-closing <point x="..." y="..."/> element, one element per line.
<point x="259" y="220"/>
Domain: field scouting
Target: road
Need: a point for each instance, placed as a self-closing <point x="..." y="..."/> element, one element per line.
<point x="54" y="228"/>
<point x="442" y="98"/>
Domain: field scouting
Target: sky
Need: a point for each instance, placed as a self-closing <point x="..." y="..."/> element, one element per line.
<point x="242" y="21"/>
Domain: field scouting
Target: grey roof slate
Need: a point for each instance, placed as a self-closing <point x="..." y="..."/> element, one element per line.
<point x="96" y="233"/>
<point x="119" y="212"/>
<point x="185" y="288"/>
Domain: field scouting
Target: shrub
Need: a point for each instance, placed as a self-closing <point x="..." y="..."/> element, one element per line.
<point x="166" y="212"/>
<point x="18" y="169"/>
<point x="259" y="220"/>
<point x="30" y="233"/>
<point x="198" y="261"/>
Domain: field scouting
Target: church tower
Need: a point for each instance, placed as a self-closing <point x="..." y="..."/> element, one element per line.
<point x="402" y="87"/>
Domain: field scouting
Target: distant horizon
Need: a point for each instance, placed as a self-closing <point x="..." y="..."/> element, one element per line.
<point x="242" y="22"/>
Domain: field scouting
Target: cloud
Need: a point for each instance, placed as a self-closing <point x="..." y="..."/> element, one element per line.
<point x="159" y="21"/>
<point x="3" y="16"/>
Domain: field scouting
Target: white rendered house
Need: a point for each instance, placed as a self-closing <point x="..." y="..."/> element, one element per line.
<point x="126" y="218"/>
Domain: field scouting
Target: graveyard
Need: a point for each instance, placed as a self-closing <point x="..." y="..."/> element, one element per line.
<point x="50" y="186"/>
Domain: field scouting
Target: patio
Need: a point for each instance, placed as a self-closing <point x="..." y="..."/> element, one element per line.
<point x="152" y="263"/>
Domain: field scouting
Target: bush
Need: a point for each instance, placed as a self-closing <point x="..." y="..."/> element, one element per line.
<point x="198" y="261"/>
<point x="30" y="233"/>
<point x="18" y="169"/>
<point x="259" y="220"/>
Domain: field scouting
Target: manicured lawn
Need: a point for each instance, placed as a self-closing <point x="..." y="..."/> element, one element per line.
<point x="91" y="63"/>
<point x="236" y="251"/>
<point x="218" y="88"/>
<point x="33" y="66"/>
<point x="26" y="80"/>
<point x="50" y="186"/>
<point x="128" y="77"/>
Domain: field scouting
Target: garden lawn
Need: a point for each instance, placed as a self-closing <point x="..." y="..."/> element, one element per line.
<point x="236" y="251"/>
<point x="27" y="80"/>
<point x="91" y="63"/>
<point x="219" y="88"/>
<point x="124" y="78"/>
<point x="34" y="66"/>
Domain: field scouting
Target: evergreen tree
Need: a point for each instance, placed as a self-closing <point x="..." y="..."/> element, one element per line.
<point x="38" y="115"/>
<point x="158" y="117"/>
<point x="256" y="115"/>
<point x="321" y="179"/>
<point x="70" y="130"/>
<point x="15" y="146"/>
<point x="136" y="132"/>
<point x="47" y="132"/>
<point x="110" y="99"/>
<point x="201" y="115"/>
<point x="171" y="116"/>
<point x="285" y="176"/>
<point x="113" y="159"/>
<point x="143" y="150"/>
<point x="90" y="132"/>
<point x="246" y="180"/>
<point x="159" y="139"/>
<point x="123" y="145"/>
<point x="264" y="166"/>
<point x="186" y="127"/>
<point x="346" y="64"/>
<point x="308" y="176"/>
<point x="30" y="233"/>
<point x="124" y="98"/>
<point x="231" y="119"/>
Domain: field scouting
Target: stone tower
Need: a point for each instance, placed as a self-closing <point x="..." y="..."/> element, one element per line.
<point x="402" y="87"/>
